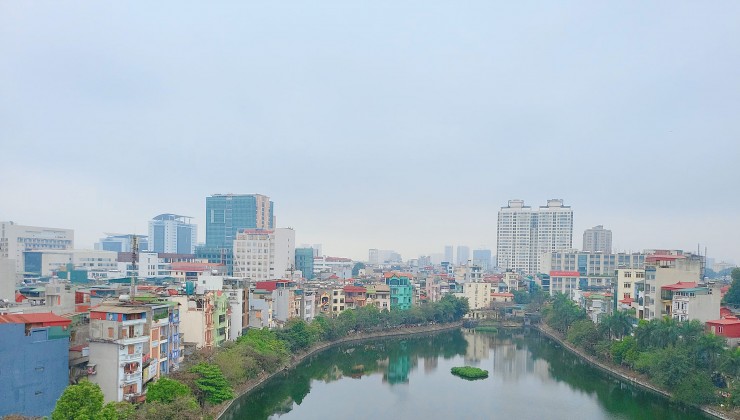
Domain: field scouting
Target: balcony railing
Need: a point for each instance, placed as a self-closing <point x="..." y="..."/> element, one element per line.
<point x="131" y="357"/>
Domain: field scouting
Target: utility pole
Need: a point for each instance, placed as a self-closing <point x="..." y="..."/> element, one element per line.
<point x="134" y="260"/>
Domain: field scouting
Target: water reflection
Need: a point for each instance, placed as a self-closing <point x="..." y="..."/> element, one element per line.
<point x="530" y="376"/>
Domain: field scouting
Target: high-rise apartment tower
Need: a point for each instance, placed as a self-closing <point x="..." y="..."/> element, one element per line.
<point x="597" y="239"/>
<point x="524" y="234"/>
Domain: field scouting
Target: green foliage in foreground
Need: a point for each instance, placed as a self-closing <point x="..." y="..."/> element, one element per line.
<point x="167" y="390"/>
<point x="84" y="401"/>
<point x="469" y="372"/>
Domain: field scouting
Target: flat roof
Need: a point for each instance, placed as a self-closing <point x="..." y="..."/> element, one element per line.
<point x="122" y="309"/>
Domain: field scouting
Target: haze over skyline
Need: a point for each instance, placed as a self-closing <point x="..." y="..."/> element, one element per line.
<point x="382" y="125"/>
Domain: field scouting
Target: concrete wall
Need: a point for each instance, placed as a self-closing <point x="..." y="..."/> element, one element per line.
<point x="105" y="357"/>
<point x="7" y="279"/>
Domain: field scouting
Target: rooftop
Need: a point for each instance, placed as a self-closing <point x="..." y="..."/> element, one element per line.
<point x="680" y="285"/>
<point x="135" y="308"/>
<point x="47" y="319"/>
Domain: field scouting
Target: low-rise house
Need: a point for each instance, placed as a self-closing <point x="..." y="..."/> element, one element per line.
<point x="728" y="327"/>
<point x="597" y="305"/>
<point x="699" y="303"/>
<point x="355" y="296"/>
<point x="401" y="289"/>
<point x="478" y="294"/>
<point x="379" y="295"/>
<point x="118" y="341"/>
<point x="34" y="363"/>
<point x="338" y="305"/>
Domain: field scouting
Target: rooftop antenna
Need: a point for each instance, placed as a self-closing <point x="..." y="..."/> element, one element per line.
<point x="134" y="260"/>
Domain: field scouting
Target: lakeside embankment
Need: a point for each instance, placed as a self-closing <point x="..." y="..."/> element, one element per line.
<point x="219" y="410"/>
<point x="625" y="374"/>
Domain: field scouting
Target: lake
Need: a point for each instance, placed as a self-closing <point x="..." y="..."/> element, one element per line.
<point x="530" y="377"/>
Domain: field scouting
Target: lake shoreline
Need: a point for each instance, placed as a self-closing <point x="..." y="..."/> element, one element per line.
<point x="296" y="359"/>
<point x="630" y="377"/>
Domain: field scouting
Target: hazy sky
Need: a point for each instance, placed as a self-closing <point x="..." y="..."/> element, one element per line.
<point x="380" y="124"/>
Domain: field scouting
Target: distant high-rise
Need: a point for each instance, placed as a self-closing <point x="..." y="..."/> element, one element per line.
<point x="16" y="239"/>
<point x="122" y="243"/>
<point x="172" y="233"/>
<point x="262" y="254"/>
<point x="463" y="254"/>
<point x="525" y="234"/>
<point x="304" y="262"/>
<point x="597" y="239"/>
<point x="227" y="214"/>
<point x="448" y="254"/>
<point x="482" y="258"/>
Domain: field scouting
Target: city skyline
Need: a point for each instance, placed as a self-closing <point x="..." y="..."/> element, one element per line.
<point x="626" y="112"/>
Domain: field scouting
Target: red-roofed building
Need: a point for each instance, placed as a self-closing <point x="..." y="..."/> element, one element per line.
<point x="728" y="327"/>
<point x="36" y="320"/>
<point x="499" y="297"/>
<point x="355" y="296"/>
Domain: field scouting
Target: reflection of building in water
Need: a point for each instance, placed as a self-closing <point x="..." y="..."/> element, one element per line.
<point x="478" y="346"/>
<point x="430" y="363"/>
<point x="511" y="363"/>
<point x="332" y="374"/>
<point x="399" y="367"/>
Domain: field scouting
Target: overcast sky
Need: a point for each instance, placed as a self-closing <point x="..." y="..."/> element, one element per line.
<point x="380" y="124"/>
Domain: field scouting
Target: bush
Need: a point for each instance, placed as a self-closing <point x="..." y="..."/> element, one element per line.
<point x="469" y="372"/>
<point x="486" y="329"/>
<point x="166" y="390"/>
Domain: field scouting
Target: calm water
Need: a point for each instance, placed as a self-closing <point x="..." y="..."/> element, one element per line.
<point x="531" y="377"/>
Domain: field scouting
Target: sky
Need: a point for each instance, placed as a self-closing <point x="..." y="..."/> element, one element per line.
<point x="384" y="124"/>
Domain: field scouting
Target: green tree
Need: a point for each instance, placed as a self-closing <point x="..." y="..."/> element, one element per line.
<point x="296" y="334"/>
<point x="618" y="324"/>
<point x="83" y="401"/>
<point x="212" y="383"/>
<point x="625" y="351"/>
<point x="670" y="366"/>
<point x="356" y="269"/>
<point x="521" y="297"/>
<point x="180" y="408"/>
<point x="119" y="411"/>
<point x="583" y="334"/>
<point x="563" y="312"/>
<point x="166" y="390"/>
<point x="696" y="388"/>
<point x="732" y="297"/>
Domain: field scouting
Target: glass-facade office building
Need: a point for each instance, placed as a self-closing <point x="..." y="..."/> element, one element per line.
<point x="227" y="214"/>
<point x="304" y="262"/>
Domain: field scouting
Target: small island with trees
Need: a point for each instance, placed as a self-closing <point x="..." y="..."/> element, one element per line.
<point x="469" y="372"/>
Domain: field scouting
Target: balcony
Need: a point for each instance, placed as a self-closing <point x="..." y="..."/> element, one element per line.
<point x="133" y="340"/>
<point x="131" y="377"/>
<point x="141" y="321"/>
<point x="134" y="357"/>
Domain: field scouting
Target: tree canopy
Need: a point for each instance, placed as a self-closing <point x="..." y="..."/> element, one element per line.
<point x="732" y="297"/>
